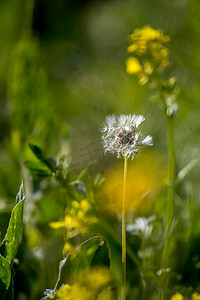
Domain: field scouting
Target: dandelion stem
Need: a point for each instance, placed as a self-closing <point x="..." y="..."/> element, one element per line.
<point x="123" y="291"/>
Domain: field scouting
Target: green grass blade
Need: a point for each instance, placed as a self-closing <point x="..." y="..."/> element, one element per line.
<point x="5" y="271"/>
<point x="13" y="233"/>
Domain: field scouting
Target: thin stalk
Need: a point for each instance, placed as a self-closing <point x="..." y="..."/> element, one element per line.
<point x="170" y="198"/>
<point x="123" y="291"/>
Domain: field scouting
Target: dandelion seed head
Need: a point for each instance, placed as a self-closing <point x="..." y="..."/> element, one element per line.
<point x="120" y="135"/>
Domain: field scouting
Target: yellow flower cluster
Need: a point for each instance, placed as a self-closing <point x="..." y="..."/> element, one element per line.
<point x="77" y="220"/>
<point x="195" y="296"/>
<point x="150" y="53"/>
<point x="178" y="296"/>
<point x="88" y="285"/>
<point x="76" y="291"/>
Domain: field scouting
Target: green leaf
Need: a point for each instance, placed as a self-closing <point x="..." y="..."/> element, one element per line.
<point x="86" y="170"/>
<point x="184" y="172"/>
<point x="7" y="293"/>
<point x="79" y="187"/>
<point x="41" y="155"/>
<point x="5" y="271"/>
<point x="102" y="254"/>
<point x="13" y="233"/>
<point x="35" y="166"/>
<point x="80" y="259"/>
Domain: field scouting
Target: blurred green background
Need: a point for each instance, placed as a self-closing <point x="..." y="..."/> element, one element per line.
<point x="62" y="70"/>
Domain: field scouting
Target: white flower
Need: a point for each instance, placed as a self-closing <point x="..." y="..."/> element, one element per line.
<point x="141" y="226"/>
<point x="120" y="136"/>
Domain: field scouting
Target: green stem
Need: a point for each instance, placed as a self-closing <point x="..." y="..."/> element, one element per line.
<point x="170" y="198"/>
<point x="123" y="292"/>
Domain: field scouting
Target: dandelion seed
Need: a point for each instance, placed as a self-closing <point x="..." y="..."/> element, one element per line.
<point x="120" y="135"/>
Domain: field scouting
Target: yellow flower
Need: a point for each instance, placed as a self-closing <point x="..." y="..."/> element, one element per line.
<point x="85" y="205"/>
<point x="64" y="292"/>
<point x="57" y="225"/>
<point x="147" y="43"/>
<point x="195" y="296"/>
<point x="76" y="291"/>
<point x="177" y="296"/>
<point x="145" y="178"/>
<point x="143" y="78"/>
<point x="77" y="220"/>
<point x="133" y="65"/>
<point x="148" y="69"/>
<point x="68" y="248"/>
<point x="88" y="284"/>
<point x="132" y="48"/>
<point x="75" y="204"/>
<point x="149" y="33"/>
<point x="98" y="277"/>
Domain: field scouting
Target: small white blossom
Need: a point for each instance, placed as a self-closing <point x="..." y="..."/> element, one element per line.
<point x="141" y="226"/>
<point x="120" y="136"/>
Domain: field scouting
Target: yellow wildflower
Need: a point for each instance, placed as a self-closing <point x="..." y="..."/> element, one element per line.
<point x="57" y="225"/>
<point x="85" y="205"/>
<point x="132" y="48"/>
<point x="75" y="204"/>
<point x="149" y="33"/>
<point x="69" y="221"/>
<point x="74" y="292"/>
<point x="133" y="65"/>
<point x="148" y="69"/>
<point x="195" y="296"/>
<point x="143" y="78"/>
<point x="68" y="248"/>
<point x="77" y="219"/>
<point x="98" y="277"/>
<point x="145" y="178"/>
<point x="177" y="296"/>
<point x="148" y="46"/>
<point x="87" y="285"/>
<point x="64" y="292"/>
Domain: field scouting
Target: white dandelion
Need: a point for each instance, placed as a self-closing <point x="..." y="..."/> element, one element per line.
<point x="120" y="135"/>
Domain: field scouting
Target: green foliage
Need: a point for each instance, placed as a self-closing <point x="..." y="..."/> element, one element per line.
<point x="60" y="171"/>
<point x="90" y="253"/>
<point x="27" y="85"/>
<point x="5" y="271"/>
<point x="13" y="233"/>
<point x="40" y="154"/>
<point x="62" y="69"/>
<point x="9" y="246"/>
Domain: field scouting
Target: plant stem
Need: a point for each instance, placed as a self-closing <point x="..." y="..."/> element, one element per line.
<point x="123" y="291"/>
<point x="170" y="197"/>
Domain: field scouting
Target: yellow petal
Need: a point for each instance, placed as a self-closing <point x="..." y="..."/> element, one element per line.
<point x="177" y="296"/>
<point x="56" y="225"/>
<point x="133" y="65"/>
<point x="195" y="296"/>
<point x="132" y="48"/>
